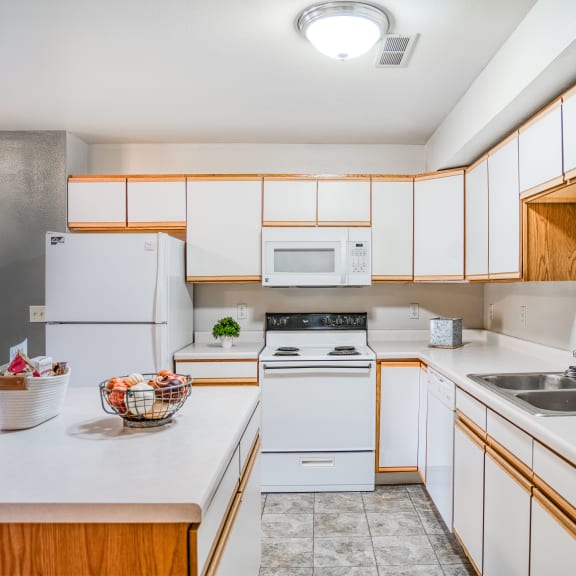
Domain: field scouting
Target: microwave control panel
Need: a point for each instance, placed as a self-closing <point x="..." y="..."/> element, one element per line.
<point x="359" y="257"/>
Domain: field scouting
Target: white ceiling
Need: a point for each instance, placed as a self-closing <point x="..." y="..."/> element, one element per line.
<point x="234" y="70"/>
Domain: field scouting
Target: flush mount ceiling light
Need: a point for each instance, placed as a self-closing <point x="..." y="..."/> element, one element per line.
<point x="343" y="30"/>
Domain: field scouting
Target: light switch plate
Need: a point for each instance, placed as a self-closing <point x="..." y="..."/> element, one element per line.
<point x="37" y="313"/>
<point x="242" y="311"/>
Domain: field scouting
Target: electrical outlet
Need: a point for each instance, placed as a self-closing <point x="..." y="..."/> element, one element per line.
<point x="523" y="314"/>
<point x="37" y="313"/>
<point x="490" y="312"/>
<point x="414" y="311"/>
<point x="242" y="311"/>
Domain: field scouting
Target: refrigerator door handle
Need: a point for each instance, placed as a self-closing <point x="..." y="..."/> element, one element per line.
<point x="159" y="312"/>
<point x="157" y="344"/>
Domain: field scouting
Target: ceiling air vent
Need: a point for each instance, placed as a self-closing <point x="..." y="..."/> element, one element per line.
<point x="396" y="50"/>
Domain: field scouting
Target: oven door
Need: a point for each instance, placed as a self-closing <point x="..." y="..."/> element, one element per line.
<point x="318" y="406"/>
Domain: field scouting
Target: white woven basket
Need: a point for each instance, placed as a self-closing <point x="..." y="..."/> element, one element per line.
<point x="41" y="400"/>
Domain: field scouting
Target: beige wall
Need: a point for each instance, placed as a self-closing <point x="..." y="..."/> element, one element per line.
<point x="387" y="305"/>
<point x="255" y="158"/>
<point x="550" y="311"/>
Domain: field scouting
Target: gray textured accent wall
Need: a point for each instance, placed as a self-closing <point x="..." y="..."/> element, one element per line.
<point x="33" y="201"/>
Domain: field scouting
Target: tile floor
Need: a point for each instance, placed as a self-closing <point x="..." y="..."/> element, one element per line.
<point x="394" y="531"/>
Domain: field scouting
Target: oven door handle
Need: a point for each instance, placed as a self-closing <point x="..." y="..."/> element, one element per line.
<point x="313" y="367"/>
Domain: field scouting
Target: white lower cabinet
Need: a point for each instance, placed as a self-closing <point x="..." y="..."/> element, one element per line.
<point x="469" y="492"/>
<point x="506" y="519"/>
<point x="398" y="421"/>
<point x="553" y="540"/>
<point x="242" y="551"/>
<point x="422" y="416"/>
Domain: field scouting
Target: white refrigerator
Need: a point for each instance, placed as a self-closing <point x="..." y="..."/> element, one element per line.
<point x="116" y="303"/>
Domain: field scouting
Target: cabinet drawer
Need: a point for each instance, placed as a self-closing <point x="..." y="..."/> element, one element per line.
<point x="247" y="440"/>
<point x="471" y="408"/>
<point x="220" y="369"/>
<point x="215" y="515"/>
<point x="317" y="471"/>
<point x="557" y="473"/>
<point x="510" y="437"/>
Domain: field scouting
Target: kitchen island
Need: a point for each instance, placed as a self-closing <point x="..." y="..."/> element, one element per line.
<point x="82" y="494"/>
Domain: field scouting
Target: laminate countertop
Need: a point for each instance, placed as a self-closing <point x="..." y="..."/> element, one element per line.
<point x="484" y="353"/>
<point x="85" y="466"/>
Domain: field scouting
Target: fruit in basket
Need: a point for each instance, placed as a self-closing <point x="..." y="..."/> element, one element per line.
<point x="113" y="382"/>
<point x="169" y="386"/>
<point x="133" y="379"/>
<point x="140" y="398"/>
<point x="117" y="395"/>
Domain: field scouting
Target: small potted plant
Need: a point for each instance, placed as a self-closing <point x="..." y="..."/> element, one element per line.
<point x="226" y="329"/>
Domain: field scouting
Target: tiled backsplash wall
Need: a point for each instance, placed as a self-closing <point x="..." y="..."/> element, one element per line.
<point x="387" y="305"/>
<point x="549" y="316"/>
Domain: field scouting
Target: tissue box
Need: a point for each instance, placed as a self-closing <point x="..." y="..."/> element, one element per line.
<point x="446" y="332"/>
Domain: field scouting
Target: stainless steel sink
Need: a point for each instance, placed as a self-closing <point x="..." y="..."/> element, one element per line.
<point x="540" y="393"/>
<point x="553" y="400"/>
<point x="529" y="381"/>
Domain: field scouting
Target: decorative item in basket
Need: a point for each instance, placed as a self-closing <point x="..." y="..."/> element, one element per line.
<point x="145" y="400"/>
<point x="31" y="391"/>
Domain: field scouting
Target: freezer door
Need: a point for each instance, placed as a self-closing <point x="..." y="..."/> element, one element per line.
<point x="96" y="352"/>
<point x="105" y="278"/>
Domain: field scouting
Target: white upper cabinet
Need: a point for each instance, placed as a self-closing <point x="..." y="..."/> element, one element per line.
<point x="156" y="202"/>
<point x="392" y="229"/>
<point x="289" y="202"/>
<point x="477" y="221"/>
<point x="344" y="202"/>
<point x="223" y="230"/>
<point x="439" y="226"/>
<point x="504" y="256"/>
<point x="540" y="151"/>
<point x="95" y="203"/>
<point x="569" y="133"/>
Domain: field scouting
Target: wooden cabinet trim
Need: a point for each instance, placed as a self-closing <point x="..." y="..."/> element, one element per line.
<point x="477" y="163"/>
<point x="468" y="555"/>
<point x="512" y="461"/>
<point x="176" y="225"/>
<point x="342" y="177"/>
<point x="223" y="177"/>
<point x="378" y="401"/>
<point x="393" y="178"/>
<point x="156" y="178"/>
<point x="569" y="93"/>
<point x="289" y="177"/>
<point x="439" y="278"/>
<point x="568" y="522"/>
<point x="460" y="425"/>
<point x="97" y="225"/>
<point x="223" y="279"/>
<point x="289" y="223"/>
<point x="471" y="426"/>
<point x="408" y="363"/>
<point x="392" y="278"/>
<point x="346" y="223"/>
<point x="224" y="381"/>
<point x="503" y="143"/>
<point x="544" y="186"/>
<point x="96" y="178"/>
<point x="509" y="469"/>
<point x="386" y="469"/>
<point x="558" y="500"/>
<point x="540" y="114"/>
<point x="440" y="174"/>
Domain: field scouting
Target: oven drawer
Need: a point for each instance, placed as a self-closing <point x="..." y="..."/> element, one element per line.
<point x="317" y="471"/>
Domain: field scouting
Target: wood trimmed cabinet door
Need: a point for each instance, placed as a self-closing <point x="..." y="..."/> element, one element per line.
<point x="289" y="201"/>
<point x="569" y="133"/>
<point x="392" y="230"/>
<point x="504" y="247"/>
<point x="344" y="202"/>
<point x="439" y="226"/>
<point x="540" y="151"/>
<point x="477" y="221"/>
<point x="223" y="229"/>
<point x="398" y="393"/>
<point x="155" y="203"/>
<point x="96" y="203"/>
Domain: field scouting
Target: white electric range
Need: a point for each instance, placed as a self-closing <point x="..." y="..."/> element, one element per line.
<point x="318" y="384"/>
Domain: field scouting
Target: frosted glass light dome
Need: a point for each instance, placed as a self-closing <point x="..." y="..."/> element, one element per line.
<point x="343" y="30"/>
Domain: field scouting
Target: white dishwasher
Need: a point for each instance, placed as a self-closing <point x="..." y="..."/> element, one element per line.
<point x="440" y="443"/>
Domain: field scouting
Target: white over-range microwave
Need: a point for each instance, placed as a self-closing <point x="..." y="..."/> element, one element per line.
<point x="316" y="256"/>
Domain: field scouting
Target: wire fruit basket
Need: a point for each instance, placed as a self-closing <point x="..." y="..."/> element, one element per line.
<point x="145" y="400"/>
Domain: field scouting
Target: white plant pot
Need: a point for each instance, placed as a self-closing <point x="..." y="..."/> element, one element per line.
<point x="226" y="341"/>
